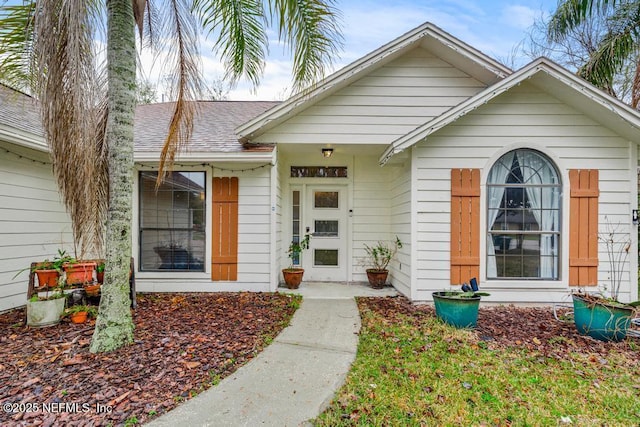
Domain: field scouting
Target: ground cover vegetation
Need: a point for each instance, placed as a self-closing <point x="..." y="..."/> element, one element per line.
<point x="185" y="343"/>
<point x="521" y="366"/>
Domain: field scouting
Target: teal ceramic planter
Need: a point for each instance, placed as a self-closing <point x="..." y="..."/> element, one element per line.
<point x="599" y="321"/>
<point x="455" y="311"/>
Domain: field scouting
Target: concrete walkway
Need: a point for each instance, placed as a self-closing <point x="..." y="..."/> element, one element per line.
<point x="293" y="379"/>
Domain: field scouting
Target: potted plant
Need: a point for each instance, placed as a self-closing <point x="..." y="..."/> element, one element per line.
<point x="45" y="310"/>
<point x="80" y="313"/>
<point x="293" y="275"/>
<point x="459" y="308"/>
<point x="92" y="289"/>
<point x="79" y="272"/>
<point x="600" y="316"/>
<point x="48" y="272"/>
<point x="47" y="275"/>
<point x="100" y="272"/>
<point x="378" y="258"/>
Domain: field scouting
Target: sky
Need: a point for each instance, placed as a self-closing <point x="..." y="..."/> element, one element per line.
<point x="494" y="27"/>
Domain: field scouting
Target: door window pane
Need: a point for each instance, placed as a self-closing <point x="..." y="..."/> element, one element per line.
<point x="325" y="257"/>
<point x="326" y="228"/>
<point x="325" y="199"/>
<point x="295" y="232"/>
<point x="318" y="171"/>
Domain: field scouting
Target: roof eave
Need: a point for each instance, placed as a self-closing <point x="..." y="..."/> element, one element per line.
<point x="208" y="157"/>
<point x="24" y="139"/>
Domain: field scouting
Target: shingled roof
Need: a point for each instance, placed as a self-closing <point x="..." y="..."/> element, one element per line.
<point x="20" y="112"/>
<point x="214" y="126"/>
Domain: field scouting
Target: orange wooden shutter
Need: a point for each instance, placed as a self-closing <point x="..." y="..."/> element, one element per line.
<point x="583" y="227"/>
<point x="465" y="225"/>
<point x="224" y="251"/>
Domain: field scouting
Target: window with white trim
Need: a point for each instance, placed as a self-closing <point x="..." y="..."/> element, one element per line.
<point x="172" y="221"/>
<point x="523" y="217"/>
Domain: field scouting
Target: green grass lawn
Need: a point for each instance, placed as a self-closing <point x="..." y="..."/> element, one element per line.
<point x="412" y="370"/>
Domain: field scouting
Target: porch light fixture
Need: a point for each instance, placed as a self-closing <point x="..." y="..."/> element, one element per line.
<point x="327" y="152"/>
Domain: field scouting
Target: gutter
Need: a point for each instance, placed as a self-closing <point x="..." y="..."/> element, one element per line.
<point x="199" y="157"/>
<point x="27" y="140"/>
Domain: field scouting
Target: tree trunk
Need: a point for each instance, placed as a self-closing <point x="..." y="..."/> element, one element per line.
<point x="114" y="325"/>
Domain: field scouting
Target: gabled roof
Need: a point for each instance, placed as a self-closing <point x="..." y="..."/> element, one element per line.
<point x="549" y="77"/>
<point x="20" y="121"/>
<point x="213" y="129"/>
<point x="429" y="36"/>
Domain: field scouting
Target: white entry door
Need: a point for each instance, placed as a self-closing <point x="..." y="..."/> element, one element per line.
<point x="326" y="220"/>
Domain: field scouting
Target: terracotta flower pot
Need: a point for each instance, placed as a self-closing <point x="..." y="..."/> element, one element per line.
<point x="377" y="278"/>
<point x="79" y="272"/>
<point x="47" y="278"/>
<point x="292" y="277"/>
<point x="79" y="317"/>
<point x="92" y="290"/>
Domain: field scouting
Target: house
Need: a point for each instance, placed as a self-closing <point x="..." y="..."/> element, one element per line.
<point x="480" y="171"/>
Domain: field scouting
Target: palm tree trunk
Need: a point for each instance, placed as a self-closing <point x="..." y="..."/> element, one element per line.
<point x="114" y="325"/>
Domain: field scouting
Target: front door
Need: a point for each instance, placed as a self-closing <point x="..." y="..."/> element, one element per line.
<point x="326" y="220"/>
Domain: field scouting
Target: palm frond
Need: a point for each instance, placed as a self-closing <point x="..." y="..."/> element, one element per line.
<point x="312" y="29"/>
<point x="635" y="87"/>
<point x="139" y="8"/>
<point x="572" y="13"/>
<point x="16" y="44"/>
<point x="241" y="40"/>
<point x="186" y="80"/>
<point x="617" y="46"/>
<point x="150" y="21"/>
<point x="99" y="191"/>
<point x="66" y="81"/>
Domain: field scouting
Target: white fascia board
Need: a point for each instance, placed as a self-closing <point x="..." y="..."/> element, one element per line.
<point x="251" y="129"/>
<point x="23" y="139"/>
<point x="463" y="49"/>
<point x="266" y="157"/>
<point x="562" y="75"/>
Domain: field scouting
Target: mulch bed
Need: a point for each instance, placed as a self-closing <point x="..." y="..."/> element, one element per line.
<point x="184" y="343"/>
<point x="531" y="328"/>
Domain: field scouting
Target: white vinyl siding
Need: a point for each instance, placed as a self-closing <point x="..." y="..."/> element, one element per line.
<point x="278" y="248"/>
<point x="382" y="106"/>
<point x="33" y="221"/>
<point x="525" y="117"/>
<point x="401" y="225"/>
<point x="254" y="227"/>
<point x="371" y="209"/>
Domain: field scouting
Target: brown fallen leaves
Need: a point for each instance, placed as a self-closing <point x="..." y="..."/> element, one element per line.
<point x="184" y="343"/>
<point x="530" y="328"/>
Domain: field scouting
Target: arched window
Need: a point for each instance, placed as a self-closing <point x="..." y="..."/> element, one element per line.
<point x="523" y="217"/>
